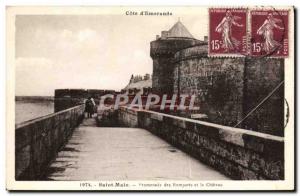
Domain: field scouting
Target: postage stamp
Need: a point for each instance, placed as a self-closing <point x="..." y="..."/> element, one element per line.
<point x="269" y="33"/>
<point x="227" y="31"/>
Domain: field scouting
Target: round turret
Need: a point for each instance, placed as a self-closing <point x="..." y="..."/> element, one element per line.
<point x="162" y="52"/>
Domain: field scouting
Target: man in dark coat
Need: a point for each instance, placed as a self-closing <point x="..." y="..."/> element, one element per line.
<point x="89" y="107"/>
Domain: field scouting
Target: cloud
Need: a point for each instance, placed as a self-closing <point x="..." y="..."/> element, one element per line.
<point x="32" y="62"/>
<point x="66" y="34"/>
<point x="86" y="34"/>
<point x="41" y="76"/>
<point x="96" y="51"/>
<point x="34" y="76"/>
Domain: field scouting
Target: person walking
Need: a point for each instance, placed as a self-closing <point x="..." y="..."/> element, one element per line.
<point x="89" y="107"/>
<point x="94" y="105"/>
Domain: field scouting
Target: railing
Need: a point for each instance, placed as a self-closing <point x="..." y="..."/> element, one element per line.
<point x="238" y="153"/>
<point x="37" y="141"/>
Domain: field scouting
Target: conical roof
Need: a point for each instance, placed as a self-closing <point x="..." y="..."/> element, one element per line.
<point x="179" y="30"/>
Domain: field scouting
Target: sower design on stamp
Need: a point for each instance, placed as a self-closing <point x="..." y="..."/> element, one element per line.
<point x="227" y="31"/>
<point x="269" y="33"/>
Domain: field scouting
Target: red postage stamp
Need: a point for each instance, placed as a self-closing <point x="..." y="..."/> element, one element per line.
<point x="227" y="31"/>
<point x="269" y="33"/>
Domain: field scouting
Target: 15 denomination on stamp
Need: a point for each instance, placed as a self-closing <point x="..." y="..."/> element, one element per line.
<point x="227" y="31"/>
<point x="269" y="33"/>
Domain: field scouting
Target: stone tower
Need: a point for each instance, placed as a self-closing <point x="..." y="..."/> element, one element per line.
<point x="162" y="52"/>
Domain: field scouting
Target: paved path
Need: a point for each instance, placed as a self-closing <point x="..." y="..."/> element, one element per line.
<point x="99" y="153"/>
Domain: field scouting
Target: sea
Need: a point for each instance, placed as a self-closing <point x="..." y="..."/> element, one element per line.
<point x="31" y="108"/>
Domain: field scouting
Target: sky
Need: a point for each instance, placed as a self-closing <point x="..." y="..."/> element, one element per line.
<point x="88" y="51"/>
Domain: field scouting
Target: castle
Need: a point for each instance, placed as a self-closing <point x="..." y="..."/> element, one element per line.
<point x="227" y="88"/>
<point x="138" y="85"/>
<point x="230" y="91"/>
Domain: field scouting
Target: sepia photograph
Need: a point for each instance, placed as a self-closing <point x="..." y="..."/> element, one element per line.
<point x="150" y="98"/>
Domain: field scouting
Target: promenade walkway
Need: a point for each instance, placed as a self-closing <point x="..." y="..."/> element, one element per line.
<point x="104" y="153"/>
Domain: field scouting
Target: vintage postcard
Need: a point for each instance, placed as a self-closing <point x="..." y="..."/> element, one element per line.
<point x="150" y="98"/>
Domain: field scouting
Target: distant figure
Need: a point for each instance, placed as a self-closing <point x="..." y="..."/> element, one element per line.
<point x="89" y="107"/>
<point x="266" y="30"/>
<point x="94" y="105"/>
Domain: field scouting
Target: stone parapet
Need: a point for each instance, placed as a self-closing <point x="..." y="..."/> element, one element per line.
<point x="37" y="141"/>
<point x="238" y="153"/>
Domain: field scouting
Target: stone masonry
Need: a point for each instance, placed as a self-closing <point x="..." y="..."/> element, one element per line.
<point x="227" y="89"/>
